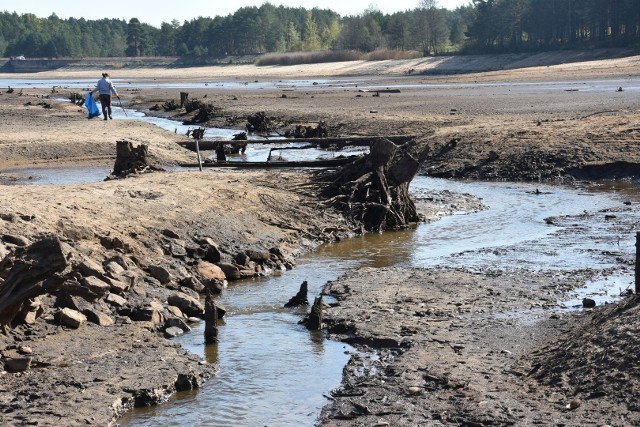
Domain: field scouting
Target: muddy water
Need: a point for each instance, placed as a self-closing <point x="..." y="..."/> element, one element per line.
<point x="272" y="372"/>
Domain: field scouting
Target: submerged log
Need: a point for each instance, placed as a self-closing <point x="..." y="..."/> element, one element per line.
<point x="374" y="190"/>
<point x="300" y="298"/>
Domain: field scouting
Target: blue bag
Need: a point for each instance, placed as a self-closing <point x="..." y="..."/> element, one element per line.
<point x="92" y="107"/>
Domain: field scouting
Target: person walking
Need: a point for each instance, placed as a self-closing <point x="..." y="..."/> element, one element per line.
<point x="105" y="88"/>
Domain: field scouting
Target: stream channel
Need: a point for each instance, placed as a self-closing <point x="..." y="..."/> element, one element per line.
<point x="271" y="371"/>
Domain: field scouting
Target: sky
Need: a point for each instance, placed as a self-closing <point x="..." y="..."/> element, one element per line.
<point x="155" y="12"/>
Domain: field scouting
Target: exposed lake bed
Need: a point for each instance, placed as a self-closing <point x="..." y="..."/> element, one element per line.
<point x="447" y="344"/>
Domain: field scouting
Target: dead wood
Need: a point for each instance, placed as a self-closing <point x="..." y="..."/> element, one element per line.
<point x="374" y="190"/>
<point x="300" y="298"/>
<point x="130" y="159"/>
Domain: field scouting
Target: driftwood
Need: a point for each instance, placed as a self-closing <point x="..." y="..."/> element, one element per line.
<point x="374" y="190"/>
<point x="35" y="271"/>
<point x="320" y="163"/>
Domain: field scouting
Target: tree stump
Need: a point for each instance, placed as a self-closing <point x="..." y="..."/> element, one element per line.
<point x="314" y="323"/>
<point x="300" y="298"/>
<point x="130" y="159"/>
<point x="374" y="191"/>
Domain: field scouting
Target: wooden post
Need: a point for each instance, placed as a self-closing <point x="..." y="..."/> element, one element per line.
<point x="638" y="262"/>
<point x="198" y="155"/>
<point x="183" y="98"/>
<point x="210" y="320"/>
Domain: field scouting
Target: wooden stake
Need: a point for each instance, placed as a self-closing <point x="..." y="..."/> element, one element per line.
<point x="638" y="262"/>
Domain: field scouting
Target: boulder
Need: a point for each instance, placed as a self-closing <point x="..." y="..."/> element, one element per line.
<point x="242" y="259"/>
<point x="18" y="364"/>
<point x="175" y="322"/>
<point x="114" y="269"/>
<point x="173" y="332"/>
<point x="187" y="304"/>
<point x="90" y="268"/>
<point x="72" y="318"/>
<point x="193" y="284"/>
<point x="99" y="318"/>
<point x="211" y="271"/>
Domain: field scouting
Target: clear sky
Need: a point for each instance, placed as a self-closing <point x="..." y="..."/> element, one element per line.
<point x="154" y="12"/>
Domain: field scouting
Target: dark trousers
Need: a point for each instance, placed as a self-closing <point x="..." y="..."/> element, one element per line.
<point x="105" y="101"/>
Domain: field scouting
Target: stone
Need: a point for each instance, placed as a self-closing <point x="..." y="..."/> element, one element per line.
<point x="242" y="259"/>
<point x="258" y="257"/>
<point x="99" y="318"/>
<point x="116" y="300"/>
<point x="174" y="322"/>
<point x="173" y="332"/>
<point x="15" y="239"/>
<point x="175" y="311"/>
<point x="178" y="251"/>
<point x="90" y="268"/>
<point x="114" y="269"/>
<point x="193" y="284"/>
<point x="72" y="318"/>
<point x="96" y="285"/>
<point x="148" y="314"/>
<point x="160" y="273"/>
<point x="170" y="234"/>
<point x="212" y="251"/>
<point x="118" y="287"/>
<point x="211" y="271"/>
<point x="77" y="232"/>
<point x="231" y="271"/>
<point x="18" y="364"/>
<point x="187" y="304"/>
<point x="588" y="303"/>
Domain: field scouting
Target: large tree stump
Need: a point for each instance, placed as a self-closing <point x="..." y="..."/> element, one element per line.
<point x="210" y="320"/>
<point x="314" y="322"/>
<point x="300" y="298"/>
<point x="130" y="159"/>
<point x="374" y="191"/>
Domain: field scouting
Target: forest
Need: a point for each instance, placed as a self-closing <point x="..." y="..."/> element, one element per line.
<point x="483" y="26"/>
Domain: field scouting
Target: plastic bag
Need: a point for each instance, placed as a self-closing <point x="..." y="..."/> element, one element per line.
<point x="92" y="107"/>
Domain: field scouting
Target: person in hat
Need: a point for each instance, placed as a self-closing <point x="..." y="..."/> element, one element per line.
<point x="105" y="88"/>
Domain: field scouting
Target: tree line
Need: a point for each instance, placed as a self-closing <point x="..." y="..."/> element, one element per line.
<point x="481" y="26"/>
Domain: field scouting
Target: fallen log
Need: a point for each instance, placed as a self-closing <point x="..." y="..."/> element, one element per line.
<point x="321" y="163"/>
<point x="331" y="142"/>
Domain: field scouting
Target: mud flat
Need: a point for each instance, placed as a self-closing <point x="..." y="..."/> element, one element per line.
<point x="443" y="354"/>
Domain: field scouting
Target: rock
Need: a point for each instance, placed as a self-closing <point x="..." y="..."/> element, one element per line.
<point x="114" y="269"/>
<point x="9" y="217"/>
<point x="18" y="364"/>
<point x="189" y="305"/>
<point x="175" y="311"/>
<point x="77" y="232"/>
<point x="211" y="271"/>
<point x="99" y="318"/>
<point x="170" y="234"/>
<point x="193" y="284"/>
<point x="178" y="251"/>
<point x="148" y="314"/>
<point x="588" y="303"/>
<point x="118" y="287"/>
<point x="258" y="257"/>
<point x="174" y="322"/>
<point x="242" y="259"/>
<point x="160" y="273"/>
<point x="414" y="391"/>
<point x="116" y="300"/>
<point x="71" y="318"/>
<point x="90" y="268"/>
<point x="173" y="332"/>
<point x="574" y="404"/>
<point x="231" y="271"/>
<point x="215" y="286"/>
<point x="211" y="249"/>
<point x="16" y="240"/>
<point x="96" y="285"/>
